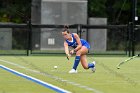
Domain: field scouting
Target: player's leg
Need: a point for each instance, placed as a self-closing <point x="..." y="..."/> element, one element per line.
<point x="83" y="50"/>
<point x="83" y="60"/>
<point x="85" y="64"/>
<point x="81" y="56"/>
<point x="80" y="52"/>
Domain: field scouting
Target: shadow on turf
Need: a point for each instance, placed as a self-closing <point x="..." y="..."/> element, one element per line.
<point x="111" y="71"/>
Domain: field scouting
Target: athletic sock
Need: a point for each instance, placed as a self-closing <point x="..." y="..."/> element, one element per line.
<point x="90" y="65"/>
<point x="76" y="62"/>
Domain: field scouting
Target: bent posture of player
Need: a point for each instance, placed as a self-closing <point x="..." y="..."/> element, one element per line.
<point x="80" y="47"/>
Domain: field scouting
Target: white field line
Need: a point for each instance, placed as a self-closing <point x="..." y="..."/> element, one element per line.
<point x="54" y="77"/>
<point x="38" y="81"/>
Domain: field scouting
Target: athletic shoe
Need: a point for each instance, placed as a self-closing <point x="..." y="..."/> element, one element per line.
<point x="93" y="69"/>
<point x="72" y="71"/>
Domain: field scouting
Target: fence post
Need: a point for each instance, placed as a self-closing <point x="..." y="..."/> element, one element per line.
<point x="29" y="40"/>
<point x="130" y="39"/>
<point x="131" y="31"/>
<point x="134" y="10"/>
<point x="79" y="30"/>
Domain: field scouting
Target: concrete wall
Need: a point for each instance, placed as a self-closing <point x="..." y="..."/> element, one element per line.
<point x="98" y="37"/>
<point x="5" y="38"/>
<point x="36" y="19"/>
<point x="60" y="12"/>
<point x="65" y="12"/>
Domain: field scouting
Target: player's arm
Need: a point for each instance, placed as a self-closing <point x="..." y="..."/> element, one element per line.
<point x="66" y="49"/>
<point x="78" y="42"/>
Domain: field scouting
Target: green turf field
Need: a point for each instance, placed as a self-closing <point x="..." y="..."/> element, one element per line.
<point x="106" y="79"/>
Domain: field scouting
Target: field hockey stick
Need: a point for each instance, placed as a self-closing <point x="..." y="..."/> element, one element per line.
<point x="68" y="57"/>
<point x="118" y="66"/>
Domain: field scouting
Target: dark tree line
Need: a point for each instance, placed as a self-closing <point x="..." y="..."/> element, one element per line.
<point x="17" y="11"/>
<point x="117" y="11"/>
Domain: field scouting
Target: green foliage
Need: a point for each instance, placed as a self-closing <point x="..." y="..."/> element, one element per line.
<point x="97" y="8"/>
<point x="17" y="11"/>
<point x="122" y="4"/>
<point x="117" y="11"/>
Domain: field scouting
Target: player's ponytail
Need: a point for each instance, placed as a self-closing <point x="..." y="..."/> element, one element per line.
<point x="66" y="28"/>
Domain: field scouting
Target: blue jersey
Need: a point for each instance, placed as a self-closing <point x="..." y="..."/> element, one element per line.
<point x="74" y="44"/>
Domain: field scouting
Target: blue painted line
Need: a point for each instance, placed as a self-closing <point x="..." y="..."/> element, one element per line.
<point x="50" y="86"/>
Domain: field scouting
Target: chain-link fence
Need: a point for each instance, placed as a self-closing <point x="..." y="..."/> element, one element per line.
<point x="137" y="41"/>
<point x="47" y="39"/>
<point x="107" y="39"/>
<point x="13" y="40"/>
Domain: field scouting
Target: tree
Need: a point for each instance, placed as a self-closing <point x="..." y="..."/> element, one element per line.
<point x="96" y="8"/>
<point x="17" y="11"/>
<point x="117" y="11"/>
